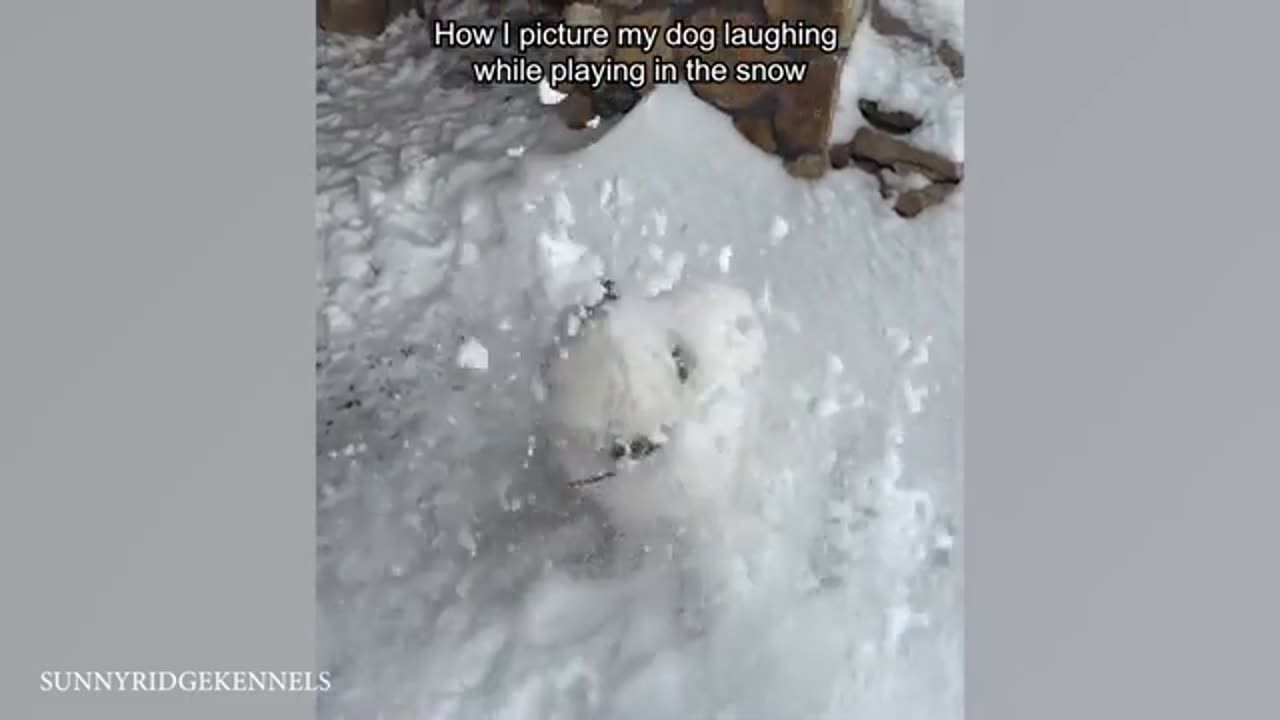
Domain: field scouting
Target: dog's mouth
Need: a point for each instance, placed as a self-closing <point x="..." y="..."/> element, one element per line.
<point x="634" y="449"/>
<point x="610" y="295"/>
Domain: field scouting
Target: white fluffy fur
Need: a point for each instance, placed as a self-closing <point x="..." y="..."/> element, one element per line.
<point x="616" y="378"/>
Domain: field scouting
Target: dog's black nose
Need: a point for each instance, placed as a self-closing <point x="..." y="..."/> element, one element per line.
<point x="610" y="289"/>
<point x="682" y="365"/>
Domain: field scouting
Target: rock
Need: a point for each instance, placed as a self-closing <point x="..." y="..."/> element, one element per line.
<point x="809" y="167"/>
<point x="803" y="119"/>
<point x="790" y="121"/>
<point x="882" y="155"/>
<point x="890" y="152"/>
<point x="728" y="95"/>
<point x="890" y="25"/>
<point x="576" y="110"/>
<point x="731" y="95"/>
<point x="758" y="130"/>
<point x="367" y="18"/>
<point x="812" y="12"/>
<point x="913" y="202"/>
<point x="896" y="122"/>
<point x="660" y="19"/>
<point x="839" y="155"/>
<point x="614" y="99"/>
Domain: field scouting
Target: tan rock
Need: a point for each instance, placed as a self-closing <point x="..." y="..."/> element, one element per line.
<point x="913" y="202"/>
<point x="890" y="152"/>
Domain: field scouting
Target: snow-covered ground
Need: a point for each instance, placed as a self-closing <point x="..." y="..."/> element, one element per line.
<point x="457" y="579"/>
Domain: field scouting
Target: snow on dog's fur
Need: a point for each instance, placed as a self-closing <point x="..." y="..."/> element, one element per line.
<point x="650" y="401"/>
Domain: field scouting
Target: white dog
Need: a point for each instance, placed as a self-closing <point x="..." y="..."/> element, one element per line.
<point x="649" y="404"/>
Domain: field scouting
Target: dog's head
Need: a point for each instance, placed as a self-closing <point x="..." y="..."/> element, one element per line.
<point x="636" y="369"/>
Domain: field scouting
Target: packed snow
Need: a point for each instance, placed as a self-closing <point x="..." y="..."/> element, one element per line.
<point x="809" y="424"/>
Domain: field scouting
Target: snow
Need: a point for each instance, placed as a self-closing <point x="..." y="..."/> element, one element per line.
<point x="549" y="95"/>
<point x="458" y="576"/>
<point x="941" y="19"/>
<point x="725" y="259"/>
<point x="779" y="229"/>
<point x="472" y="355"/>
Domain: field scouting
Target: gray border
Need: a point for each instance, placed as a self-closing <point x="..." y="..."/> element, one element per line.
<point x="157" y="303"/>
<point x="1123" y="344"/>
<point x="1122" y="339"/>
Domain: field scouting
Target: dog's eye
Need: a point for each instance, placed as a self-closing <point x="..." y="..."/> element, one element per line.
<point x="618" y="451"/>
<point x="641" y="447"/>
<point x="682" y="367"/>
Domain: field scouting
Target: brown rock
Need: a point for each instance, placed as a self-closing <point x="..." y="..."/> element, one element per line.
<point x="659" y="19"/>
<point x="727" y="95"/>
<point x="803" y="119"/>
<point x="367" y="18"/>
<point x="571" y="88"/>
<point x="732" y="95"/>
<point x="758" y="130"/>
<point x="913" y="202"/>
<point x="891" y="152"/>
<point x="883" y="156"/>
<point x="614" y="99"/>
<point x="810" y="166"/>
<point x="814" y="12"/>
<point x="844" y="15"/>
<point x="576" y="110"/>
<point x="839" y="155"/>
